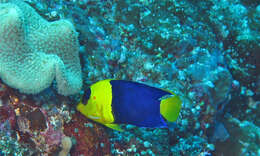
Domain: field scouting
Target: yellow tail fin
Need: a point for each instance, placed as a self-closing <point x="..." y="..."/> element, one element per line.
<point x="170" y="107"/>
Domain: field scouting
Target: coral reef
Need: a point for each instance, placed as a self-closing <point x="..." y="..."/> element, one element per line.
<point x="91" y="138"/>
<point x="33" y="51"/>
<point x="30" y="126"/>
<point x="243" y="139"/>
<point x="139" y="141"/>
<point x="207" y="52"/>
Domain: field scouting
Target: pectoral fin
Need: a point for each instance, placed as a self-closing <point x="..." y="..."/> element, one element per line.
<point x="114" y="126"/>
<point x="93" y="117"/>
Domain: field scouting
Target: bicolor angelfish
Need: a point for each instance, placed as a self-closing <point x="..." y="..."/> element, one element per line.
<point x="113" y="102"/>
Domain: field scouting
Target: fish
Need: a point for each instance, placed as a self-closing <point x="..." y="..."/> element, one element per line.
<point x="113" y="102"/>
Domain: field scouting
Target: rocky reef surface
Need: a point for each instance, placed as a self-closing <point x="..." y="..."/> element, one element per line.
<point x="206" y="51"/>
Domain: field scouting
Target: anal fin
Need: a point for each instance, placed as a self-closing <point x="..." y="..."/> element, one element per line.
<point x="114" y="126"/>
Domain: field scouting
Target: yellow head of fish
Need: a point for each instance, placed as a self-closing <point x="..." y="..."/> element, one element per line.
<point x="95" y="104"/>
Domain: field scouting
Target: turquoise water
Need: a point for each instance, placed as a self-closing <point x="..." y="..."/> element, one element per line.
<point x="206" y="52"/>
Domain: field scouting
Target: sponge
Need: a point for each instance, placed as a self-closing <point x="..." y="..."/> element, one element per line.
<point x="34" y="51"/>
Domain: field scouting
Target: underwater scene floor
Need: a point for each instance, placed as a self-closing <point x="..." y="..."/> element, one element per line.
<point x="129" y="78"/>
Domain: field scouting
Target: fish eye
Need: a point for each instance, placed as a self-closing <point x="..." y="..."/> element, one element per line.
<point x="86" y="96"/>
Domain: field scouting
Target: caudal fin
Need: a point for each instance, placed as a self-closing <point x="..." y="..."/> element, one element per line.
<point x="170" y="107"/>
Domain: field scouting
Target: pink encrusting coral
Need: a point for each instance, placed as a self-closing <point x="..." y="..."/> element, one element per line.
<point x="33" y="122"/>
<point x="30" y="124"/>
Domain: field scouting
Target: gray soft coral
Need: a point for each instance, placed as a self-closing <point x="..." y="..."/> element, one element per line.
<point x="34" y="51"/>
